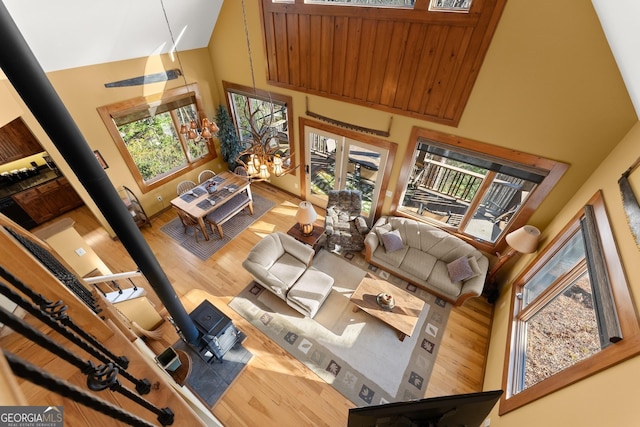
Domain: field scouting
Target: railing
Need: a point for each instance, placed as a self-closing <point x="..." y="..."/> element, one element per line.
<point x="99" y="377"/>
<point x="450" y="189"/>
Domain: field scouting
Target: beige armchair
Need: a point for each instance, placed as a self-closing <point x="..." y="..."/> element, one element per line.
<point x="282" y="265"/>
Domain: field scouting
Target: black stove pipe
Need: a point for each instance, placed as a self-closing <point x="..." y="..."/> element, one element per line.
<point x="27" y="77"/>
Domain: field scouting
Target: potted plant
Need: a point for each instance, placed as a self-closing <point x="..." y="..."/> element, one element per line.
<point x="230" y="146"/>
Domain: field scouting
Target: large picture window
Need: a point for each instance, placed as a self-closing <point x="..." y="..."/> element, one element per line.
<point x="474" y="189"/>
<point x="572" y="311"/>
<point x="146" y="132"/>
<point x="269" y="113"/>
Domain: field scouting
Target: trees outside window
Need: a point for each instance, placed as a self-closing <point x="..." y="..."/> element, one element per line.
<point x="269" y="113"/>
<point x="146" y="132"/>
<point x="476" y="190"/>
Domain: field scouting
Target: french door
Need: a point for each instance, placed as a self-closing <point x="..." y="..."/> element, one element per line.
<point x="336" y="162"/>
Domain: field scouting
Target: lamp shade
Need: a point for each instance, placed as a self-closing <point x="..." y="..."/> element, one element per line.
<point x="524" y="239"/>
<point x="306" y="214"/>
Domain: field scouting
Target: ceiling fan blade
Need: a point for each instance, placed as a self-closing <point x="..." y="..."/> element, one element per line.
<point x="149" y="78"/>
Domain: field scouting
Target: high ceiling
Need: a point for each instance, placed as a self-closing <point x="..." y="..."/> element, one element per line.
<point x="74" y="33"/>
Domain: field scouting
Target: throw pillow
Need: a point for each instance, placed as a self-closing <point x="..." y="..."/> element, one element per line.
<point x="392" y="241"/>
<point x="461" y="269"/>
<point x="382" y="229"/>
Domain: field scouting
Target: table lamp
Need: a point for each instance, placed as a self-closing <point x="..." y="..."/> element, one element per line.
<point x="523" y="240"/>
<point x="306" y="216"/>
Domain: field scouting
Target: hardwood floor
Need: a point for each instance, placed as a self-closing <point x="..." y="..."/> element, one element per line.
<point x="275" y="389"/>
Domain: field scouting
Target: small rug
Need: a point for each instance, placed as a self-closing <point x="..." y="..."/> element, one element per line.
<point x="209" y="381"/>
<point x="359" y="355"/>
<point x="203" y="249"/>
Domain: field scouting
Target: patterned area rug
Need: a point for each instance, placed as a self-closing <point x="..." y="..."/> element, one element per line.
<point x="203" y="249"/>
<point x="356" y="353"/>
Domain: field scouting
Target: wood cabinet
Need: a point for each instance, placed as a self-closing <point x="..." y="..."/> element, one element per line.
<point x="48" y="200"/>
<point x="17" y="141"/>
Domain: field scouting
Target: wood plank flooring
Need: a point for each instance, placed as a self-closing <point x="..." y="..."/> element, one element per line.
<point x="275" y="389"/>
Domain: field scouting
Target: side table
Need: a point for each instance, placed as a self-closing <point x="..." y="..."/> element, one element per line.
<point x="315" y="240"/>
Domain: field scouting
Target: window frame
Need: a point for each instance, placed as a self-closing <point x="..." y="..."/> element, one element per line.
<point x="554" y="170"/>
<point x="107" y="112"/>
<point x="275" y="98"/>
<point x="627" y="347"/>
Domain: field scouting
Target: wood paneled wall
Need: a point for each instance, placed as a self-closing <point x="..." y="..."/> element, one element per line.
<point x="405" y="61"/>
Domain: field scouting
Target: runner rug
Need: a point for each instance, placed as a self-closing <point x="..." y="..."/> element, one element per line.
<point x="203" y="249"/>
<point x="357" y="354"/>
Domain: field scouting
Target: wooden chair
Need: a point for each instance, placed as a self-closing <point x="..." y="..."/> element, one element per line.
<point x="240" y="170"/>
<point x="205" y="175"/>
<point x="190" y="222"/>
<point x="185" y="186"/>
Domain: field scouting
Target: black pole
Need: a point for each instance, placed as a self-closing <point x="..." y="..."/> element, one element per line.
<point x="27" y="77"/>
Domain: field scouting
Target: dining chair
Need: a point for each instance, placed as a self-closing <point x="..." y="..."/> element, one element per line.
<point x="190" y="222"/>
<point x="205" y="175"/>
<point x="240" y="170"/>
<point x="185" y="186"/>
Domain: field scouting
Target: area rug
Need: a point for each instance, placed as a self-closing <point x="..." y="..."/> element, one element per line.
<point x="209" y="381"/>
<point x="203" y="249"/>
<point x="359" y="355"/>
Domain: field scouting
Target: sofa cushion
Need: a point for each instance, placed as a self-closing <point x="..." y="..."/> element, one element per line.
<point x="392" y="241"/>
<point x="394" y="258"/>
<point x="439" y="280"/>
<point x="381" y="230"/>
<point x="267" y="252"/>
<point x="462" y="269"/>
<point x="288" y="269"/>
<point x="418" y="263"/>
<point x="308" y="294"/>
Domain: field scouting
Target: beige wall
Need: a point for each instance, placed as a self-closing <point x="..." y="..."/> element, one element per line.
<point x="82" y="90"/>
<point x="548" y="86"/>
<point x="608" y="398"/>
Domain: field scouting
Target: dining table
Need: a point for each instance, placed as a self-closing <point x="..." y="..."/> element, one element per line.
<point x="211" y="195"/>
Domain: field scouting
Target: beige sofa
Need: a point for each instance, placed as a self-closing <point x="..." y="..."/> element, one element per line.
<point x="428" y="257"/>
<point x="282" y="265"/>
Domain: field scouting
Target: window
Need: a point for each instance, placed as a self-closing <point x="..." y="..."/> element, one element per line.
<point x="470" y="188"/>
<point x="572" y="311"/>
<point x="146" y="131"/>
<point x="269" y="112"/>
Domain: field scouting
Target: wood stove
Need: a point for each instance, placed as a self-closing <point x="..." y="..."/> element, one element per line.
<point x="217" y="333"/>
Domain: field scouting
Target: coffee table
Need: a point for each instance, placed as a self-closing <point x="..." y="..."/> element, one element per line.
<point x="403" y="317"/>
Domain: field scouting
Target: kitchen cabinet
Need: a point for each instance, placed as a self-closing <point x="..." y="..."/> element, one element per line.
<point x="48" y="200"/>
<point x="17" y="142"/>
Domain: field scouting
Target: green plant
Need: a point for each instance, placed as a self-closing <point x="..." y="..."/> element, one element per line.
<point x="230" y="146"/>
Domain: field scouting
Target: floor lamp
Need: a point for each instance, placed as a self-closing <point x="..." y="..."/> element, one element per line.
<point x="524" y="240"/>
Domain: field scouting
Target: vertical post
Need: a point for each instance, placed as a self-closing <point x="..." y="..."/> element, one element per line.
<point x="27" y="77"/>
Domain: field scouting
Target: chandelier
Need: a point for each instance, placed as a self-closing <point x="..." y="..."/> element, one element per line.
<point x="206" y="130"/>
<point x="262" y="156"/>
<point x="193" y="131"/>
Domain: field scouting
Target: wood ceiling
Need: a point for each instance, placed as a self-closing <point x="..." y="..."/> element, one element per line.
<point x="406" y="61"/>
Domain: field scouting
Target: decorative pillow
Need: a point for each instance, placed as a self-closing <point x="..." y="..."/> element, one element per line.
<point x="382" y="229"/>
<point x="392" y="241"/>
<point x="463" y="269"/>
